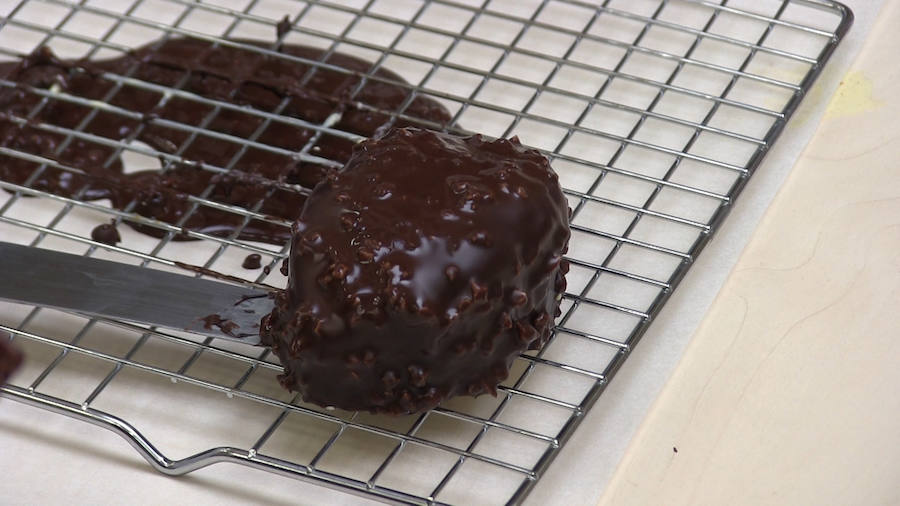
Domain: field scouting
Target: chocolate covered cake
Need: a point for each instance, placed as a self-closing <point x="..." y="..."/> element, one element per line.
<point x="420" y="271"/>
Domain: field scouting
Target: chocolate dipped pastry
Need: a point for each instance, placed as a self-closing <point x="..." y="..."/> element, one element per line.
<point x="10" y="358"/>
<point x="420" y="271"/>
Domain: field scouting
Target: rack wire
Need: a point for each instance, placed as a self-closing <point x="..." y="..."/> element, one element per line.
<point x="654" y="113"/>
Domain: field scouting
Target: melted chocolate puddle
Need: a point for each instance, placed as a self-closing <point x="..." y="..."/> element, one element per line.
<point x="238" y="76"/>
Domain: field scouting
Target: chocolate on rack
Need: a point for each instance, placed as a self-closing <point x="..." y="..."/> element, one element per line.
<point x="275" y="82"/>
<point x="106" y="233"/>
<point x="420" y="271"/>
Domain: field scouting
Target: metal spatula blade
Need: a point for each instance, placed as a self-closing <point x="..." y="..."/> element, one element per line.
<point x="125" y="292"/>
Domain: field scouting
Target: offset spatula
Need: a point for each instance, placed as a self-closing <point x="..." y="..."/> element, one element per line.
<point x="107" y="289"/>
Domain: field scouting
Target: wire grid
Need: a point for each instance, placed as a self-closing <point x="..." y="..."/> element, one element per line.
<point x="653" y="112"/>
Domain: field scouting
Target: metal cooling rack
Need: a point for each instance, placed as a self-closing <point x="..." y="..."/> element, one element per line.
<point x="655" y="114"/>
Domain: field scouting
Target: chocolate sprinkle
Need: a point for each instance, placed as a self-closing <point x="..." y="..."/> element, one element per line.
<point x="283" y="27"/>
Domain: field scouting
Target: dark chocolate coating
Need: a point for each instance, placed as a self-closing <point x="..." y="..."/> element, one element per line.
<point x="420" y="271"/>
<point x="216" y="72"/>
<point x="10" y="358"/>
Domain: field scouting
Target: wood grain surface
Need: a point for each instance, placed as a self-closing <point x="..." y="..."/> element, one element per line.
<point x="789" y="393"/>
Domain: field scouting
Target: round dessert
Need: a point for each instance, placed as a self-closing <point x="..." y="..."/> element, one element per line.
<point x="420" y="271"/>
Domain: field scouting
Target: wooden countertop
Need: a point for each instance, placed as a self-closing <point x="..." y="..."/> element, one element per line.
<point x="788" y="392"/>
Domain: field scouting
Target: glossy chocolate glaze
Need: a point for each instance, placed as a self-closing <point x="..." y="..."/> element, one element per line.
<point x="420" y="271"/>
<point x="10" y="358"/>
<point x="238" y="76"/>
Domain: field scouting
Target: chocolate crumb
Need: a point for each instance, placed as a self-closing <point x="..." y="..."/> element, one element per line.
<point x="106" y="233"/>
<point x="252" y="261"/>
<point x="675" y="449"/>
<point x="267" y="269"/>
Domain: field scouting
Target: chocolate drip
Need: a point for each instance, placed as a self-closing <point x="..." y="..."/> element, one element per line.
<point x="225" y="325"/>
<point x="252" y="261"/>
<point x="283" y="27"/>
<point x="106" y="233"/>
